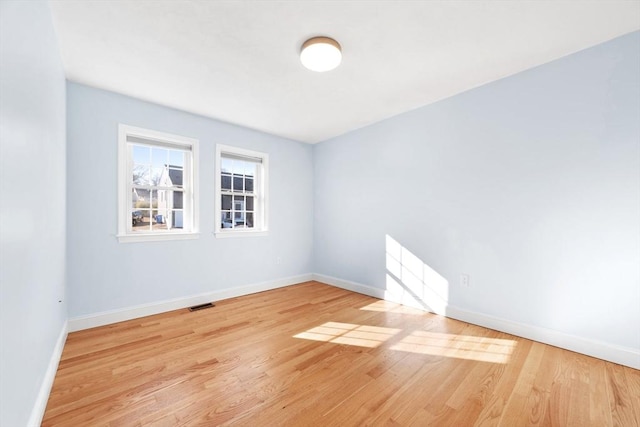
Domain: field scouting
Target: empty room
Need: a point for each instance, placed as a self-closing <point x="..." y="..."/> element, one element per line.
<point x="319" y="213"/>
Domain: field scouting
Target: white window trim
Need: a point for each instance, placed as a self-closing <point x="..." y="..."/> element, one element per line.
<point x="124" y="190"/>
<point x="263" y="194"/>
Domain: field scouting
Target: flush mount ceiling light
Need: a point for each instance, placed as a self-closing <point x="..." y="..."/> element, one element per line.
<point x="321" y="54"/>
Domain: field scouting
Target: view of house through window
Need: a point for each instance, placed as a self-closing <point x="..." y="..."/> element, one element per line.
<point x="157" y="188"/>
<point x="237" y="192"/>
<point x="242" y="190"/>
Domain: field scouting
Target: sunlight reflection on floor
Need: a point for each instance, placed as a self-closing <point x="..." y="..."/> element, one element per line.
<point x="391" y="307"/>
<point x="350" y="334"/>
<point x="482" y="349"/>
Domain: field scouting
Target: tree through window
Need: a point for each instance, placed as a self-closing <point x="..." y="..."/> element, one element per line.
<point x="156" y="183"/>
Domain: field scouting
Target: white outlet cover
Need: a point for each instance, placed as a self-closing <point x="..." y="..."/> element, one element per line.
<point x="464" y="280"/>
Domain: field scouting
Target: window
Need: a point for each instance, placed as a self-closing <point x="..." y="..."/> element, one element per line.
<point x="241" y="200"/>
<point x="157" y="188"/>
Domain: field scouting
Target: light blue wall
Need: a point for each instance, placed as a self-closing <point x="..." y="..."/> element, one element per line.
<point x="107" y="275"/>
<point x="530" y="185"/>
<point x="32" y="206"/>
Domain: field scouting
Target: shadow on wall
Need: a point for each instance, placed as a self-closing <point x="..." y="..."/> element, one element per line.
<point x="411" y="282"/>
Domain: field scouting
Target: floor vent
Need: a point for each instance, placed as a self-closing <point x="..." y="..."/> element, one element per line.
<point x="201" y="306"/>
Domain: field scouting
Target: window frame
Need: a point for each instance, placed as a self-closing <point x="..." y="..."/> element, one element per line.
<point x="261" y="191"/>
<point x="125" y="185"/>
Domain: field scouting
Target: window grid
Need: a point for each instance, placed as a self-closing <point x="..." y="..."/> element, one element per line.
<point x="158" y="187"/>
<point x="160" y="174"/>
<point x="240" y="203"/>
<point x="237" y="193"/>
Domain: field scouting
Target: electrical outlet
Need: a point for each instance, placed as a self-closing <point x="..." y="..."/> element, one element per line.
<point x="278" y="260"/>
<point x="464" y="280"/>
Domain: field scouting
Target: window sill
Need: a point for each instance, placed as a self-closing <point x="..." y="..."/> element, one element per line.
<point x="156" y="237"/>
<point x="243" y="233"/>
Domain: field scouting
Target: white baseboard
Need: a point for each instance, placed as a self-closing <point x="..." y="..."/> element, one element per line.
<point x="617" y="354"/>
<point x="128" y="313"/>
<point x="602" y="350"/>
<point x="47" y="382"/>
<point x="349" y="285"/>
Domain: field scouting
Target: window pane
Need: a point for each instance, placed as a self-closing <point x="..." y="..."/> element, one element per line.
<point x="248" y="183"/>
<point x="140" y="198"/>
<point x="226" y="182"/>
<point x="141" y="175"/>
<point x="136" y="218"/>
<point x="238" y="203"/>
<point x="159" y="157"/>
<point x="158" y="175"/>
<point x="159" y="222"/>
<point x="176" y="158"/>
<point x="249" y="203"/>
<point x="237" y="167"/>
<point x="138" y="195"/>
<point x="249" y="169"/>
<point x="239" y="219"/>
<point x="226" y="220"/>
<point x="141" y="154"/>
<point x="238" y="184"/>
<point x="249" y="220"/>
<point x="140" y="220"/>
<point x="168" y="199"/>
<point x="226" y="203"/>
<point x="135" y="197"/>
<point x="174" y="177"/>
<point x="168" y="219"/>
<point x="226" y="165"/>
<point x="178" y="219"/>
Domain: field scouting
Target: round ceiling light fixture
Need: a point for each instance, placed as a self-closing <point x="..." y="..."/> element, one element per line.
<point x="321" y="54"/>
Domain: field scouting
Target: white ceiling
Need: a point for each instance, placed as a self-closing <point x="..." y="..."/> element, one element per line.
<point x="238" y="61"/>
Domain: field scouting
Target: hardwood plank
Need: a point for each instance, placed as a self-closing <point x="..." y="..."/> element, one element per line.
<point x="506" y="381"/>
<point x="517" y="403"/>
<point x="633" y="382"/>
<point x="623" y="414"/>
<point x="313" y="354"/>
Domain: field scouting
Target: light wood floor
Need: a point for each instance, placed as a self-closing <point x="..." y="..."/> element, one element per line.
<point x="315" y="355"/>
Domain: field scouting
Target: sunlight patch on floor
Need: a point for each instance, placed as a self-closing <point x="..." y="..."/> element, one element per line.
<point x="349" y="334"/>
<point x="391" y="307"/>
<point x="482" y="349"/>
